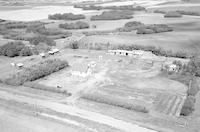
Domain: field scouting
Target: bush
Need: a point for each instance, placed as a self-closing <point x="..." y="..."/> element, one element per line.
<point x="114" y="102"/>
<point x="37" y="71"/>
<point x="77" y="25"/>
<point x="12" y="49"/>
<point x="74" y="45"/>
<point x="26" y="51"/>
<point x="193" y="66"/>
<point x="48" y="32"/>
<point x="188" y="13"/>
<point x="35" y="40"/>
<point x="145" y="31"/>
<point x="113" y="15"/>
<point x="130" y="26"/>
<point x="66" y="16"/>
<point x="43" y="47"/>
<point x="159" y="11"/>
<point x="194" y="88"/>
<point x="155" y="28"/>
<point x="172" y="14"/>
<point x="188" y="106"/>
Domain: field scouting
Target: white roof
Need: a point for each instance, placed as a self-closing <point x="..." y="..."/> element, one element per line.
<point x="138" y="52"/>
<point x="124" y="51"/>
<point x="42" y="54"/>
<point x="20" y="64"/>
<point x="55" y="50"/>
<point x="172" y="66"/>
<point x="50" y="52"/>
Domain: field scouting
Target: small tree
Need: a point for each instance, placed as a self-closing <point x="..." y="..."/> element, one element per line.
<point x="26" y="51"/>
<point x="74" y="45"/>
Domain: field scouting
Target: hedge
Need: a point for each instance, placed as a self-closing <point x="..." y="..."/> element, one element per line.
<point x="114" y="102"/>
<point x="37" y="71"/>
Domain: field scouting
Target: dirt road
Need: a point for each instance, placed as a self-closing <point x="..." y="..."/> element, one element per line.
<point x="15" y="122"/>
<point x="74" y="111"/>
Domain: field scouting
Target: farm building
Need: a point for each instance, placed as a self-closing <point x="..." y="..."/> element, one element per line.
<point x="135" y="53"/>
<point x="53" y="51"/>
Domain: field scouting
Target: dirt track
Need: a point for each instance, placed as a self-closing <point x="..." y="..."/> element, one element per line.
<point x="74" y="111"/>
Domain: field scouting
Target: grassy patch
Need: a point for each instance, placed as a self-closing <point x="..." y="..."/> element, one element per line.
<point x="35" y="85"/>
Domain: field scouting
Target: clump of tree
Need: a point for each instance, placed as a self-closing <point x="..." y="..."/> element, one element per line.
<point x="126" y="7"/>
<point x="20" y="25"/>
<point x="130" y="26"/>
<point x="159" y="11"/>
<point x="123" y="7"/>
<point x="182" y="12"/>
<point x="113" y="15"/>
<point x="12" y="49"/>
<point x="77" y="25"/>
<point x="1" y="20"/>
<point x="172" y="14"/>
<point x="35" y="40"/>
<point x="192" y="13"/>
<point x="66" y="16"/>
<point x="91" y="7"/>
<point x="155" y="28"/>
<point x="47" y="31"/>
<point x="37" y="71"/>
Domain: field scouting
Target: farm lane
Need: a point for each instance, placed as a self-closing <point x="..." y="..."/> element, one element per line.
<point x="74" y="111"/>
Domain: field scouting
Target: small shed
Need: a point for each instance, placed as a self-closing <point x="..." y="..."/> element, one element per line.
<point x="53" y="51"/>
<point x="20" y="65"/>
<point x="42" y="55"/>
